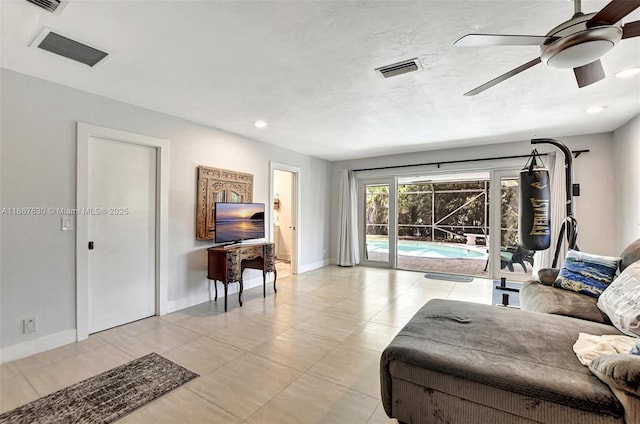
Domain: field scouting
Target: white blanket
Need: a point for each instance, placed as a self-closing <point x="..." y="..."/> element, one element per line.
<point x="589" y="347"/>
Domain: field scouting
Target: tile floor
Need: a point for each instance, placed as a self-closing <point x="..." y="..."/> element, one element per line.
<point x="308" y="354"/>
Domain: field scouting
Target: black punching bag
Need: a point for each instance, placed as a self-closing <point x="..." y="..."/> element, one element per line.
<point x="535" y="223"/>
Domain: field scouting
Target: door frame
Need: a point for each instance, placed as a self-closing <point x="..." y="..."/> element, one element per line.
<point x="83" y="133"/>
<point x="392" y="182"/>
<point x="495" y="220"/>
<point x="296" y="196"/>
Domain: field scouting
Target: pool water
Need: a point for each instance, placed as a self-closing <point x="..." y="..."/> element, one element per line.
<point x="425" y="249"/>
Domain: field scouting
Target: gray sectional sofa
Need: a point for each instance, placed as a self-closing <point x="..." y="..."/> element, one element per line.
<point x="465" y="363"/>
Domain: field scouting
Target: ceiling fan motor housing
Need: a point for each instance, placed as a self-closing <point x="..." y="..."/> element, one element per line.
<point x="578" y="45"/>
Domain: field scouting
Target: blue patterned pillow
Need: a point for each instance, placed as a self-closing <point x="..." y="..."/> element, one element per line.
<point x="586" y="273"/>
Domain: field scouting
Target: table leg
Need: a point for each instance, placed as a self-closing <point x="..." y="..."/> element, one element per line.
<point x="264" y="283"/>
<point x="241" y="290"/>
<point x="275" y="277"/>
<point x="215" y="286"/>
<point x="225" y="296"/>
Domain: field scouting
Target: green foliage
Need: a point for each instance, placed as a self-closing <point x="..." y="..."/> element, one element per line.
<point x="442" y="211"/>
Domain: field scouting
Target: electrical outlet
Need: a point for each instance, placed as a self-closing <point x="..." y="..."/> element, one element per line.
<point x="29" y="325"/>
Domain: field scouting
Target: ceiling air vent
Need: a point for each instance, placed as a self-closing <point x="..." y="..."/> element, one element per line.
<point x="50" y="5"/>
<point x="399" y="68"/>
<point x="69" y="48"/>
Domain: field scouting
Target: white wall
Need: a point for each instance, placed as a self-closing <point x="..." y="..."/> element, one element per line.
<point x="593" y="171"/>
<point x="626" y="183"/>
<point x="38" y="169"/>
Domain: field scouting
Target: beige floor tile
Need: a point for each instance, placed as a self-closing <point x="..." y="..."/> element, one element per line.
<point x="314" y="350"/>
<point x="158" y="339"/>
<point x="55" y="355"/>
<point x="309" y="302"/>
<point x="314" y="400"/>
<point x="284" y="314"/>
<point x="207" y="324"/>
<point x="353" y="367"/>
<point x="116" y="334"/>
<point x="8" y="370"/>
<point x="396" y="314"/>
<point x="64" y="373"/>
<point x="203" y="355"/>
<point x="181" y="406"/>
<point x="248" y="333"/>
<point x="355" y="309"/>
<point x="296" y="349"/>
<point x="380" y="417"/>
<point x="15" y="391"/>
<point x="333" y="327"/>
<point x="245" y="384"/>
<point x="372" y="336"/>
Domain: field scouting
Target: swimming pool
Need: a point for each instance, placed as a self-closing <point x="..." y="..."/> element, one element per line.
<point x="425" y="249"/>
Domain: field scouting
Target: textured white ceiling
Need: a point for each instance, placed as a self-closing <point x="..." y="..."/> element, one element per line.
<point x="307" y="68"/>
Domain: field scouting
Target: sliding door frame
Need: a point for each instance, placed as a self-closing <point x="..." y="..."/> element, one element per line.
<point x="393" y="221"/>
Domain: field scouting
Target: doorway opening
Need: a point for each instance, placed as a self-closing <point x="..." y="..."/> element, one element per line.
<point x="284" y="195"/>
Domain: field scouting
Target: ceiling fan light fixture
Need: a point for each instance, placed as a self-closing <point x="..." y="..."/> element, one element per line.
<point x="580" y="48"/>
<point x="628" y="73"/>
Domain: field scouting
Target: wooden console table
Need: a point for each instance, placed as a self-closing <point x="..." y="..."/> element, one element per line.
<point x="226" y="264"/>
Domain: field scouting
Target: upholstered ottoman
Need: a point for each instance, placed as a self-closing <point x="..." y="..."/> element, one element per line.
<point x="467" y="363"/>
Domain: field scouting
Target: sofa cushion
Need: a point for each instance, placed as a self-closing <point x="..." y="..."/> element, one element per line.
<point x="521" y="352"/>
<point x="630" y="255"/>
<point x="586" y="273"/>
<point x="536" y="297"/>
<point x="620" y="301"/>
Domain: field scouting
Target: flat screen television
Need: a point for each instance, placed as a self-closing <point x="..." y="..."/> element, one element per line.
<point x="236" y="222"/>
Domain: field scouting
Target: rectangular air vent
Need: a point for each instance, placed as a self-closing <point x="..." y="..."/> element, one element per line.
<point x="50" y="5"/>
<point x="399" y="68"/>
<point x="69" y="48"/>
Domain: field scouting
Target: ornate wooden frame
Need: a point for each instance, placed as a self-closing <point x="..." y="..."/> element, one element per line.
<point x="218" y="185"/>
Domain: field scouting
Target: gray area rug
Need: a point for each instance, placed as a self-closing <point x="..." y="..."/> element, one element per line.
<point x="107" y="396"/>
<point x="449" y="277"/>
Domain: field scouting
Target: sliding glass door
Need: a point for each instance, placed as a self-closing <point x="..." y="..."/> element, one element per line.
<point x="377" y="204"/>
<point x="443" y="223"/>
<point x="509" y="259"/>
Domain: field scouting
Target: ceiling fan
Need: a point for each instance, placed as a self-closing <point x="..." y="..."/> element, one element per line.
<point x="578" y="43"/>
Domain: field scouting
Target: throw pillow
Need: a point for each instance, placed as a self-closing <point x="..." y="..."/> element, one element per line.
<point x="621" y="301"/>
<point x="586" y="273"/>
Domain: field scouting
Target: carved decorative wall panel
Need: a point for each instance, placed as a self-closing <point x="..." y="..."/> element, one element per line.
<point x="218" y="185"/>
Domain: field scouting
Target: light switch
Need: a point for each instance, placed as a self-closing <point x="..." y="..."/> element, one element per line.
<point x="67" y="223"/>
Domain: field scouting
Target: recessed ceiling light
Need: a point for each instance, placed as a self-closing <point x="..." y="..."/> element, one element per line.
<point x="627" y="73"/>
<point x="595" y="109"/>
<point x="260" y="124"/>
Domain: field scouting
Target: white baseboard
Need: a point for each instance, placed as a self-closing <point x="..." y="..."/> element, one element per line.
<point x="312" y="266"/>
<point x="208" y="295"/>
<point x="39" y="345"/>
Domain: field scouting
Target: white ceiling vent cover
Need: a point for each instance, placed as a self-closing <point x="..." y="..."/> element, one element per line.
<point x="53" y="6"/>
<point x="399" y="68"/>
<point x="67" y="47"/>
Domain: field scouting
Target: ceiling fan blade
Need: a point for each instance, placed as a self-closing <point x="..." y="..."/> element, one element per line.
<point x="503" y="77"/>
<point x="632" y="29"/>
<point x="481" y="40"/>
<point x="613" y="12"/>
<point x="589" y="73"/>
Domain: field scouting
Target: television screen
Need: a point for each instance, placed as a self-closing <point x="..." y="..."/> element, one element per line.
<point x="239" y="221"/>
